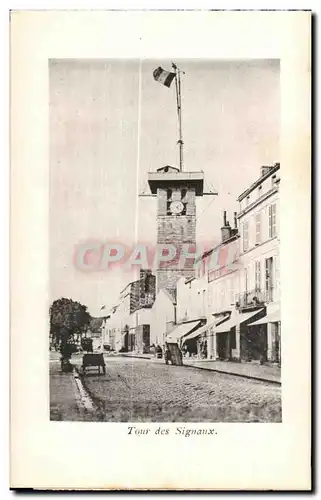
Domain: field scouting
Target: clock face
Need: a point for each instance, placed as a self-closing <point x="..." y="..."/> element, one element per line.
<point x="176" y="207"/>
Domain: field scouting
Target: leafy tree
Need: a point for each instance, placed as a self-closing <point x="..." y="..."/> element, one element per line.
<point x="95" y="324"/>
<point x="67" y="318"/>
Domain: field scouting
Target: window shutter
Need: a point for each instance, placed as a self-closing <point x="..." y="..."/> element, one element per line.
<point x="270" y="221"/>
<point x="258" y="228"/>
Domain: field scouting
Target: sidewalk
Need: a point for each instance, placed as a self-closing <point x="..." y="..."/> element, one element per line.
<point x="68" y="401"/>
<point x="136" y="355"/>
<point x="269" y="373"/>
<point x="63" y="403"/>
<point x="253" y="370"/>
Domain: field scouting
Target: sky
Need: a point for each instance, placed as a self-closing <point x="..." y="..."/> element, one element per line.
<point x="111" y="123"/>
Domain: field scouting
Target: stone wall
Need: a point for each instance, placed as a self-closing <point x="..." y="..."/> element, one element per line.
<point x="177" y="230"/>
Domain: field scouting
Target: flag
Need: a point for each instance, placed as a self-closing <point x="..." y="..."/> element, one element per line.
<point x="164" y="77"/>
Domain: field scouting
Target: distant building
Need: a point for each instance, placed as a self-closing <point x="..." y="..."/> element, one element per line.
<point x="128" y="325"/>
<point x="111" y="329"/>
<point x="163" y="318"/>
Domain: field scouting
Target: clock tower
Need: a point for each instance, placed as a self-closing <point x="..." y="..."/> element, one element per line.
<point x="176" y="193"/>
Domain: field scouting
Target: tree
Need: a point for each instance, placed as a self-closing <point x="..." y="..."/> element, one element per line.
<point x="95" y="324"/>
<point x="67" y="318"/>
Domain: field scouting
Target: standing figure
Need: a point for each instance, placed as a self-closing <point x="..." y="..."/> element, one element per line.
<point x="167" y="355"/>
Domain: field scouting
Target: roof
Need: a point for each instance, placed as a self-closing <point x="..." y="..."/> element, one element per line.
<point x="168" y="168"/>
<point x="102" y="315"/>
<point x="163" y="179"/>
<point x="168" y="295"/>
<point x="259" y="181"/>
<point x="233" y="237"/>
<point x="128" y="284"/>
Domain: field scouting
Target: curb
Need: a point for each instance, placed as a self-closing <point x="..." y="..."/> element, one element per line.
<point x="85" y="399"/>
<point x="250" y="377"/>
<point x="139" y="357"/>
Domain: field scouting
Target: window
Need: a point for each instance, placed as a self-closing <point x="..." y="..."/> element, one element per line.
<point x="277" y="275"/>
<point x="247" y="200"/>
<point x="204" y="303"/>
<point x="269" y="279"/>
<point x="245" y="280"/>
<point x="259" y="190"/>
<point x="257" y="276"/>
<point x="272" y="220"/>
<point x="245" y="236"/>
<point x="258" y="228"/>
<point x="273" y="181"/>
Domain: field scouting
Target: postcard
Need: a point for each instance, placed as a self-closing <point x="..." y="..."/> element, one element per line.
<point x="160" y="250"/>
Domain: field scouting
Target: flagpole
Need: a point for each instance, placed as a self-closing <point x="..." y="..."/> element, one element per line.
<point x="179" y="113"/>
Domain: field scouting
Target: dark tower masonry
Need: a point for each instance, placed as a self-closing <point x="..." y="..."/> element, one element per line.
<point x="176" y="219"/>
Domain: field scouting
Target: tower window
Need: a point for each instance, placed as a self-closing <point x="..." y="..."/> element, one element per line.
<point x="169" y="197"/>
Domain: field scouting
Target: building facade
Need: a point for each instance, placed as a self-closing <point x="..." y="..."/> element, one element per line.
<point x="163" y="318"/>
<point x="260" y="276"/>
<point x="235" y="293"/>
<point x="223" y="271"/>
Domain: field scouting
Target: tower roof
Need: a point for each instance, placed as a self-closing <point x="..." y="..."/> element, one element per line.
<point x="167" y="168"/>
<point x="167" y="177"/>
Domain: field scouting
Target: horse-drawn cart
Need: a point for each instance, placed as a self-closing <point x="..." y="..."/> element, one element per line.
<point x="93" y="360"/>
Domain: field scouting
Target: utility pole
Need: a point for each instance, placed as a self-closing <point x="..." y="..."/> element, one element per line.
<point x="179" y="113"/>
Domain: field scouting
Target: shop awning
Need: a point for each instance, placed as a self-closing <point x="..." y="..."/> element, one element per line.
<point x="197" y="332"/>
<point x="203" y="329"/>
<point x="269" y="318"/>
<point x="181" y="330"/>
<point x="227" y="325"/>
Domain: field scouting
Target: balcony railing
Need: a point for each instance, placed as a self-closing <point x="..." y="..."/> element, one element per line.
<point x="255" y="297"/>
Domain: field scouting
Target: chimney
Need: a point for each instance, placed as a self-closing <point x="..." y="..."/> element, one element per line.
<point x="234" y="230"/>
<point x="225" y="229"/>
<point x="265" y="170"/>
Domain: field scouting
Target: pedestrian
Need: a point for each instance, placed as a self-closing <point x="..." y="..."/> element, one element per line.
<point x="167" y="355"/>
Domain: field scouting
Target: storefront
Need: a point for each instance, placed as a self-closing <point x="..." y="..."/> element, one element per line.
<point x="233" y="339"/>
<point x="270" y="326"/>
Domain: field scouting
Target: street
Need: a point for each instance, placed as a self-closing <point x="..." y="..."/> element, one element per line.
<point x="138" y="390"/>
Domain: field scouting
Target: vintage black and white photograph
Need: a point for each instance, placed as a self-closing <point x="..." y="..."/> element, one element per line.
<point x="164" y="239"/>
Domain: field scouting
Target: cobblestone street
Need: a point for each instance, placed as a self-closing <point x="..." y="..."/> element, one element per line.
<point x="135" y="390"/>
